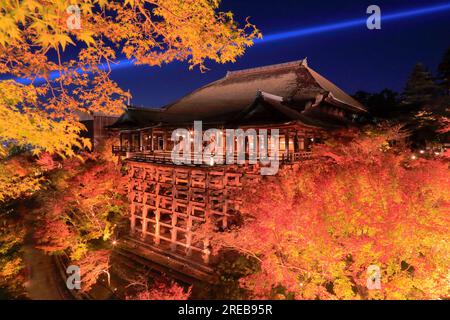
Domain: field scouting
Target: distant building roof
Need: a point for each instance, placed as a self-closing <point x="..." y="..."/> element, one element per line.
<point x="87" y="116"/>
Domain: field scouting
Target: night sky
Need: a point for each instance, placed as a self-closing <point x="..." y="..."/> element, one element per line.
<point x="354" y="58"/>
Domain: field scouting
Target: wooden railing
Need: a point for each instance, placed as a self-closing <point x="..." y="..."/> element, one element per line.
<point x="296" y="156"/>
<point x="135" y="154"/>
<point x="118" y="150"/>
<point x="158" y="157"/>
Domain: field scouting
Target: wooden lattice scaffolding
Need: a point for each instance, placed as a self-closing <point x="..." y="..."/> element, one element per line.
<point x="169" y="203"/>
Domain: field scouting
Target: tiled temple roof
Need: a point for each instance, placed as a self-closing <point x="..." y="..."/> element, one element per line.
<point x="222" y="100"/>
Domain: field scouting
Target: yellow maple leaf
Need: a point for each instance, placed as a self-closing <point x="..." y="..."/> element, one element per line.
<point x="86" y="37"/>
<point x="63" y="40"/>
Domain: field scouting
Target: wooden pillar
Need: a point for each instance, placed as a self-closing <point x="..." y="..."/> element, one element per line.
<point x="132" y="219"/>
<point x="173" y="233"/>
<point x="157" y="226"/>
<point x="130" y="140"/>
<point x="144" y="221"/>
<point x="296" y="142"/>
<point x="286" y="144"/>
<point x="173" y="245"/>
<point x="308" y="144"/>
<point x="164" y="140"/>
<point x="157" y="204"/>
<point x="206" y="251"/>
<point x="152" y="147"/>
<point x="225" y="212"/>
<point x="141" y="140"/>
<point x="189" y="236"/>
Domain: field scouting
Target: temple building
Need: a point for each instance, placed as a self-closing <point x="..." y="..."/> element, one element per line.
<point x="169" y="201"/>
<point x="96" y="126"/>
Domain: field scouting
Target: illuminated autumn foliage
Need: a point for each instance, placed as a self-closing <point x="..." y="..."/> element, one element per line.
<point x="80" y="211"/>
<point x="83" y="206"/>
<point x="74" y="206"/>
<point x="316" y="230"/>
<point x="162" y="288"/>
<point x="19" y="177"/>
<point x="12" y="235"/>
<point x="54" y="235"/>
<point x="48" y="88"/>
<point x="92" y="265"/>
<point x="34" y="36"/>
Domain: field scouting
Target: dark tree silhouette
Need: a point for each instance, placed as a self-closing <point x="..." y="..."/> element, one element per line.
<point x="420" y="88"/>
<point x="383" y="104"/>
<point x="444" y="72"/>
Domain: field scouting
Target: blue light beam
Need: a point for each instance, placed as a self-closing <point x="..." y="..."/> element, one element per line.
<point x="360" y="22"/>
<point x="124" y="63"/>
<point x="353" y="23"/>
